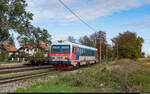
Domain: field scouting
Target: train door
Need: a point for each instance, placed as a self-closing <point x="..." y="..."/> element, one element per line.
<point x="74" y="53"/>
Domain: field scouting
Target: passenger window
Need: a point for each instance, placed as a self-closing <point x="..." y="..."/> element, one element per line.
<point x="82" y="52"/>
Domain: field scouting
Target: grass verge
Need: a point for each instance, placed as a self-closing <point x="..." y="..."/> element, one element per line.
<point x="121" y="76"/>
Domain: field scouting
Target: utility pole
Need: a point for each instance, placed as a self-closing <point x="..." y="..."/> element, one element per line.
<point x="112" y="52"/>
<point x="117" y="50"/>
<point x="106" y="54"/>
<point x="100" y="51"/>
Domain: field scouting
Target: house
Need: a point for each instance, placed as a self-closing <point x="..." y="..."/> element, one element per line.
<point x="147" y="55"/>
<point x="30" y="50"/>
<point x="27" y="50"/>
<point x="46" y="49"/>
<point x="10" y="49"/>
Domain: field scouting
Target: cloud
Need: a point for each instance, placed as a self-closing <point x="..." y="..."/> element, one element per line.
<point x="147" y="41"/>
<point x="53" y="11"/>
<point x="141" y="23"/>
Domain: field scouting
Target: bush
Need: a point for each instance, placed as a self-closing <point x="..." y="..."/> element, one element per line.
<point x="39" y="54"/>
<point x="3" y="56"/>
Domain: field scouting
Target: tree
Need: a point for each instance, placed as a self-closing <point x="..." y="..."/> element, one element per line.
<point x="3" y="56"/>
<point x="11" y="40"/>
<point x="6" y="38"/>
<point x="71" y="39"/>
<point x="39" y="54"/>
<point x="128" y="45"/>
<point x="94" y="41"/>
<point x="86" y="41"/>
<point x="35" y="36"/>
<point x="13" y="16"/>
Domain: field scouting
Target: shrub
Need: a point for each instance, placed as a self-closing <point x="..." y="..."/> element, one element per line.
<point x="3" y="56"/>
<point x="39" y="54"/>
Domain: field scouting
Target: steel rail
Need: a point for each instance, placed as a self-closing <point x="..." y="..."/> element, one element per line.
<point x="22" y="77"/>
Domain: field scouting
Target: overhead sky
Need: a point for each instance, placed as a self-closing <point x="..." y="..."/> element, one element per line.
<point x="110" y="16"/>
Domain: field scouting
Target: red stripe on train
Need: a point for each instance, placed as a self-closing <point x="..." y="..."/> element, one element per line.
<point x="59" y="54"/>
<point x="84" y="60"/>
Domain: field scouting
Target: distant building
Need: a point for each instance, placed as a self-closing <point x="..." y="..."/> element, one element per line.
<point x="27" y="49"/>
<point x="147" y="55"/>
<point x="10" y="49"/>
<point x="46" y="49"/>
<point x="30" y="50"/>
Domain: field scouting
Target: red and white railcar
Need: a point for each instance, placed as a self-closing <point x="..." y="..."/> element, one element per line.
<point x="68" y="55"/>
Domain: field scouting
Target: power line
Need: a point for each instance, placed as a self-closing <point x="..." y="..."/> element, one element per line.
<point x="76" y="15"/>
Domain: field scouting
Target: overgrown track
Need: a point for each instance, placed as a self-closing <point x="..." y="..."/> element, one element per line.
<point x="23" y="69"/>
<point x="22" y="77"/>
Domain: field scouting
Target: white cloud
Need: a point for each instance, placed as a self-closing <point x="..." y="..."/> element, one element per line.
<point x="53" y="11"/>
<point x="147" y="41"/>
<point x="141" y="23"/>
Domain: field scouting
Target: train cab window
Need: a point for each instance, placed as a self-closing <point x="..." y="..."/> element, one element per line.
<point x="65" y="49"/>
<point x="55" y="49"/>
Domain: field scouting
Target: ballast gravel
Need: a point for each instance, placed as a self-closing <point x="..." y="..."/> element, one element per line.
<point x="11" y="87"/>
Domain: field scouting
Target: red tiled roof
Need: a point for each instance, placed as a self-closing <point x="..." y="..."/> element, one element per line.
<point x="46" y="47"/>
<point x="9" y="48"/>
<point x="27" y="46"/>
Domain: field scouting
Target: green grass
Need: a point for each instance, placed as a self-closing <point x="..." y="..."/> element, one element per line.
<point x="47" y="87"/>
<point x="120" y="76"/>
<point x="148" y="58"/>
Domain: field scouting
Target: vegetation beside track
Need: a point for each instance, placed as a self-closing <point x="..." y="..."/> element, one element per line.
<point x="148" y="58"/>
<point x="121" y="76"/>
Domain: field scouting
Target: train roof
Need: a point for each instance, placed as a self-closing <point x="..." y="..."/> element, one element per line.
<point x="73" y="43"/>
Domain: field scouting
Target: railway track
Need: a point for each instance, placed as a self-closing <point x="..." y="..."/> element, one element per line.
<point x="23" y="69"/>
<point x="22" y="77"/>
<point x="2" y="68"/>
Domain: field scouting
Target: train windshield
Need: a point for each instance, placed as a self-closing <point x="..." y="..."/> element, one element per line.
<point x="60" y="49"/>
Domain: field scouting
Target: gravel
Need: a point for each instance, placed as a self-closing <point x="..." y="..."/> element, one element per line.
<point x="11" y="87"/>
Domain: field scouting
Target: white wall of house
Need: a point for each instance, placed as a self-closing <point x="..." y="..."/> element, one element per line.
<point x="32" y="51"/>
<point x="9" y="54"/>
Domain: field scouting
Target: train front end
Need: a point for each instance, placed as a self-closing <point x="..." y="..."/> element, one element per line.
<point x="61" y="55"/>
